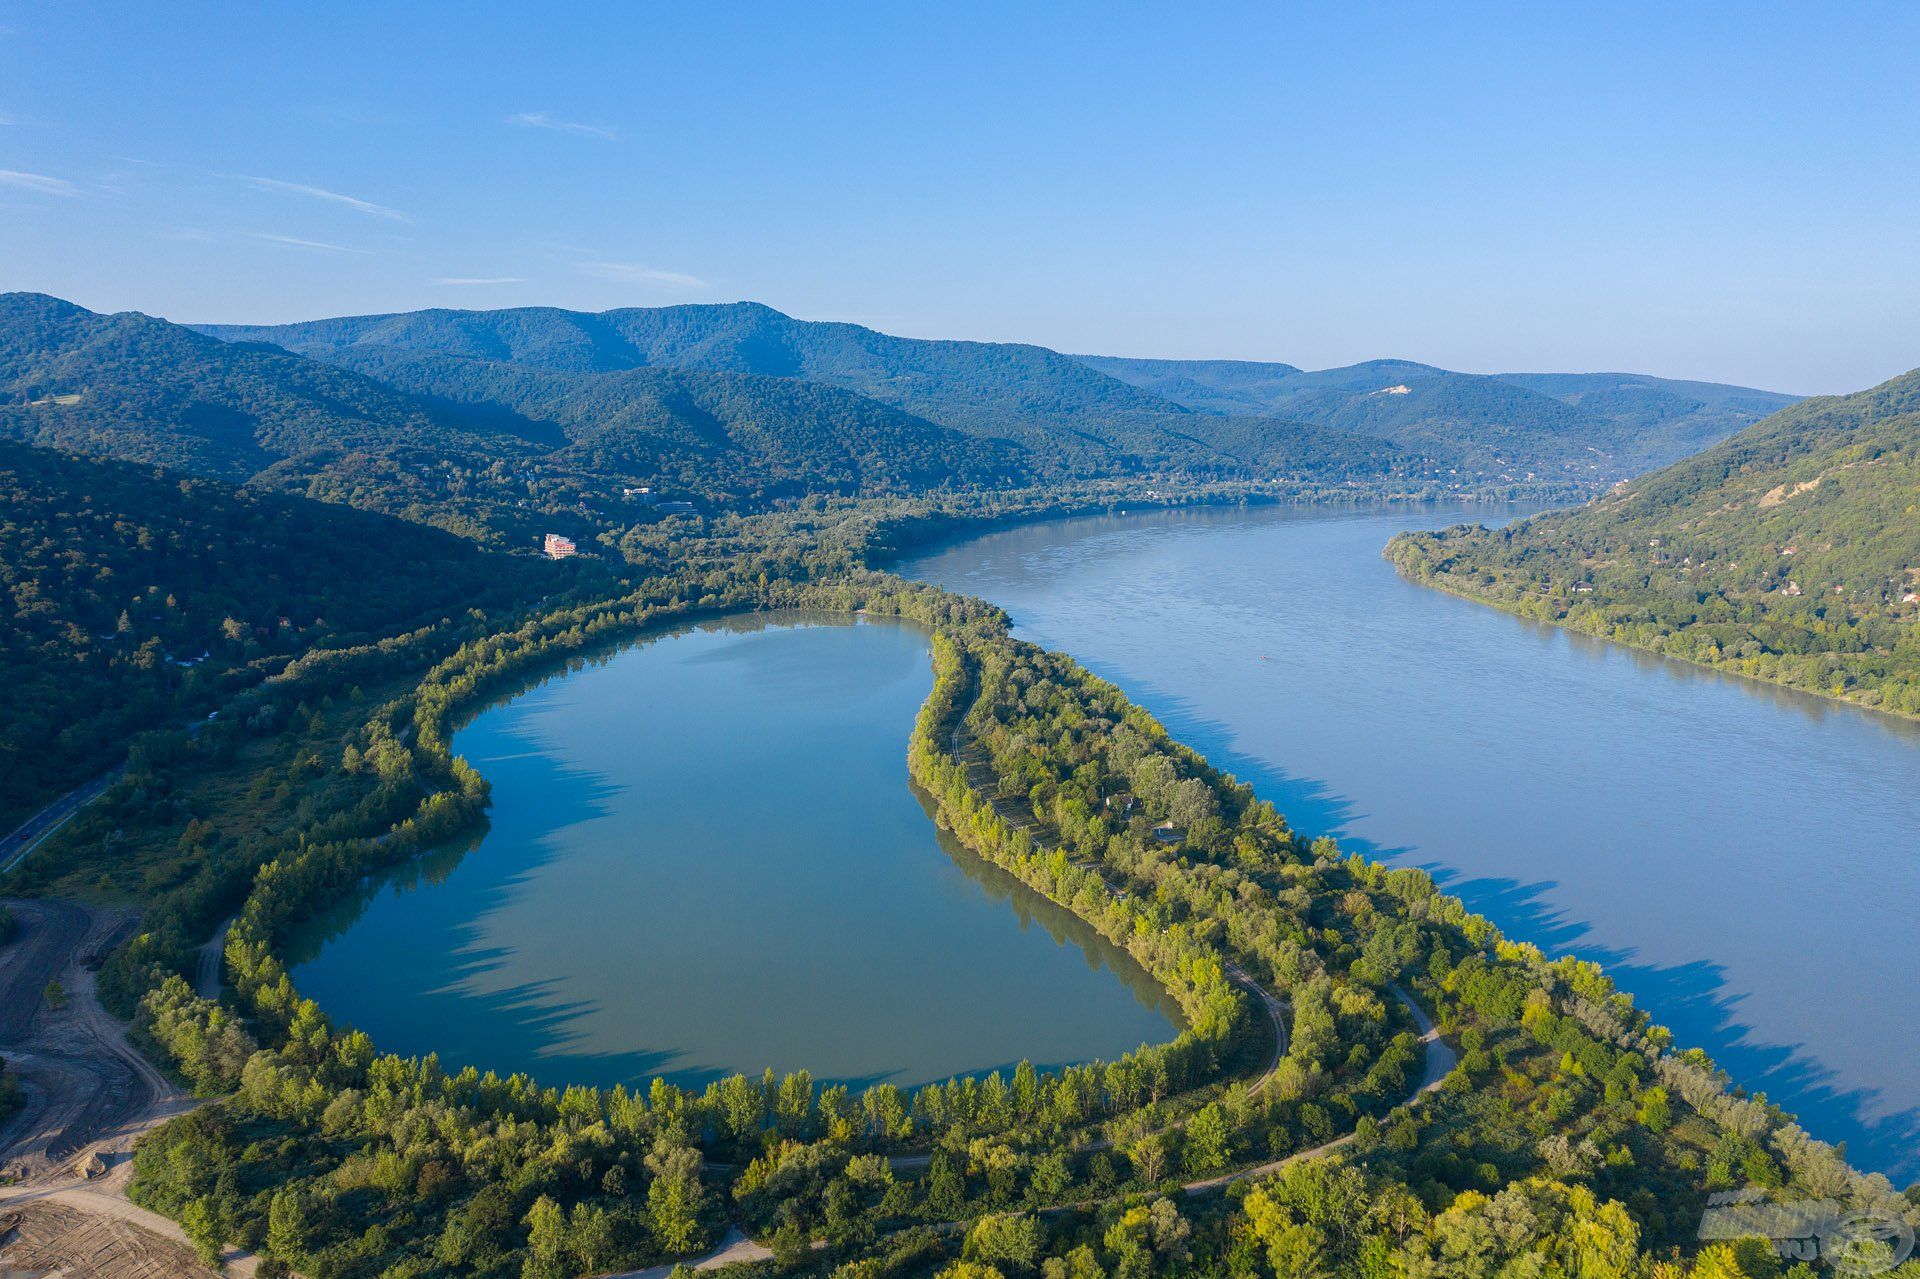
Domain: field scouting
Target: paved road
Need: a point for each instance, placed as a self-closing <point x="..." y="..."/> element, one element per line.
<point x="33" y="832"/>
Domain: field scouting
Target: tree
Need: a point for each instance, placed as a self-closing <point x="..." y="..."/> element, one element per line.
<point x="1051" y="1176"/>
<point x="1078" y="1264"/>
<point x="1656" y="1110"/>
<point x="1207" y="1140"/>
<point x="546" y="1241"/>
<point x="673" y="1197"/>
<point x="1006" y="1239"/>
<point x="1149" y="1157"/>
<point x="201" y="1222"/>
<point x="287" y="1227"/>
<point x="1191" y="802"/>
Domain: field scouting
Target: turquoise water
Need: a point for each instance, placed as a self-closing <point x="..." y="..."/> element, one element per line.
<point x="1746" y="860"/>
<point x="704" y="857"/>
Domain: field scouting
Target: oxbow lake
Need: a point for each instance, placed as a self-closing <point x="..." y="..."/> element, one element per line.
<point x="704" y="856"/>
<point x="1744" y="860"/>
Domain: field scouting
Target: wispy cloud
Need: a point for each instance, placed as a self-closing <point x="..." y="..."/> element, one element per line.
<point x="38" y="182"/>
<point x="320" y="193"/>
<point x="463" y="280"/>
<point x="634" y="273"/>
<point x="296" y="242"/>
<point x="547" y="120"/>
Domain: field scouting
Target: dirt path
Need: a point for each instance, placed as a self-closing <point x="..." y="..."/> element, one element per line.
<point x="85" y="1084"/>
<point x="89" y="1093"/>
<point x="733" y="1249"/>
<point x="1276" y="1010"/>
<point x="104" y="1199"/>
<point x="51" y="1237"/>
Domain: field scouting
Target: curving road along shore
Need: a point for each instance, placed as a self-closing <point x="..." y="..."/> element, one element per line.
<point x="1439" y="1062"/>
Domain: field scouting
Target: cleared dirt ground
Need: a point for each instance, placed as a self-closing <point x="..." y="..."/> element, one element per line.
<point x="67" y="1155"/>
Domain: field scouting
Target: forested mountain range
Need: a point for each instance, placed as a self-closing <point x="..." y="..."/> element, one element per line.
<point x="1606" y="424"/>
<point x="1790" y="551"/>
<point x="491" y="423"/>
<point x="137" y="595"/>
<point x="475" y="446"/>
<point x="1091" y="415"/>
<point x="1071" y="422"/>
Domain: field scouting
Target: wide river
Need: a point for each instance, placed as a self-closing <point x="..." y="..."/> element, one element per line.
<point x="704" y="857"/>
<point x="1743" y="859"/>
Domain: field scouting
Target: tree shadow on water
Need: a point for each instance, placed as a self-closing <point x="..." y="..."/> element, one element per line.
<point x="1698" y="1004"/>
<point x="1693" y="999"/>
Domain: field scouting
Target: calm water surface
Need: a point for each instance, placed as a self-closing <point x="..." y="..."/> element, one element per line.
<point x="1745" y="860"/>
<point x="704" y="856"/>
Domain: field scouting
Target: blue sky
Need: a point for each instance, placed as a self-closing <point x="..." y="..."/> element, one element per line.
<point x="1729" y="192"/>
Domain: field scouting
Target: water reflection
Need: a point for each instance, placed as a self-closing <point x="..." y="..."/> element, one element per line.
<point x="703" y="856"/>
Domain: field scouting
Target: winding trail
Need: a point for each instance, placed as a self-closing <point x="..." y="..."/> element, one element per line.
<point x="1439" y="1063"/>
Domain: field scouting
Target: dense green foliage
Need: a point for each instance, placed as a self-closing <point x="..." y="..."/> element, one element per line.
<point x="1791" y="552"/>
<point x="1072" y="421"/>
<point x="1598" y="425"/>
<point x="480" y="447"/>
<point x="1288" y="1129"/>
<point x="136" y="598"/>
<point x="727" y="437"/>
<point x="1566" y="1111"/>
<point x="135" y="387"/>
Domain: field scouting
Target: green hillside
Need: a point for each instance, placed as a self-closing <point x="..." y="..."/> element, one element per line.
<point x="727" y="437"/>
<point x="1592" y="427"/>
<point x="1075" y="423"/>
<point x="1790" y="552"/>
<point x="487" y="449"/>
<point x="136" y="596"/>
<point x="134" y="387"/>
